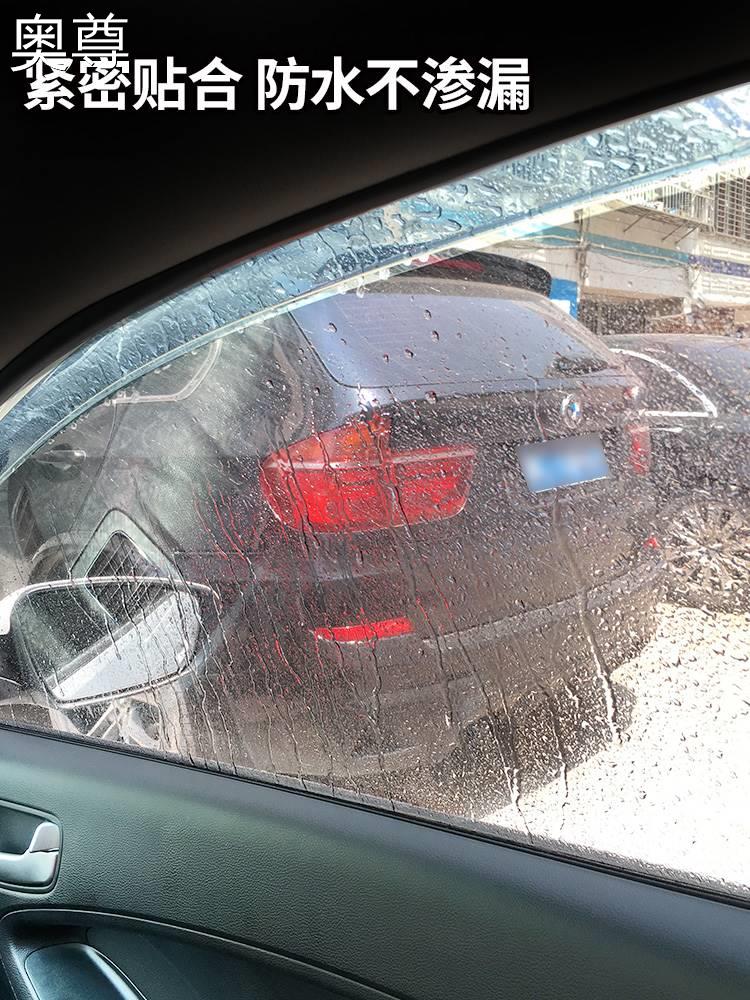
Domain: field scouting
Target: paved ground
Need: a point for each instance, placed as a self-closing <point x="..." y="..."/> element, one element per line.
<point x="672" y="791"/>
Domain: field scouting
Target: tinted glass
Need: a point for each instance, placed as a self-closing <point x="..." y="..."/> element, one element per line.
<point x="412" y="334"/>
<point x="726" y="364"/>
<point x="664" y="391"/>
<point x="379" y="513"/>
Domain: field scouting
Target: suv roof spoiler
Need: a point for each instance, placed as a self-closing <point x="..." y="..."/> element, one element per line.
<point x="490" y="268"/>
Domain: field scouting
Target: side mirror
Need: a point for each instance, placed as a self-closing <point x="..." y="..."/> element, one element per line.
<point x="93" y="639"/>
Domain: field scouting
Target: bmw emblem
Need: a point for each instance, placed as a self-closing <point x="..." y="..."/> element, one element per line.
<point x="571" y="411"/>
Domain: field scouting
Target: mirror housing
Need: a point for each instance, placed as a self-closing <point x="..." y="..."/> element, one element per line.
<point x="100" y="638"/>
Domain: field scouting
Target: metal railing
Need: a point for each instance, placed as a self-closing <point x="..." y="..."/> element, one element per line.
<point x="722" y="205"/>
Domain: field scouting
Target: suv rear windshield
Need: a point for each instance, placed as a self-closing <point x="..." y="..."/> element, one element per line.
<point x="417" y="330"/>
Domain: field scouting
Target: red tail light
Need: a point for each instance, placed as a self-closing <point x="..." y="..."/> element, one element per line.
<point x="349" y="479"/>
<point x="389" y="628"/>
<point x="640" y="448"/>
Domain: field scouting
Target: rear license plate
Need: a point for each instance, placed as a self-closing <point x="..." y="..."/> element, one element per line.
<point x="565" y="462"/>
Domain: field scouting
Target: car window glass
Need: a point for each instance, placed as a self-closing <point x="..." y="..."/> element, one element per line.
<point x="383" y="513"/>
<point x="393" y="334"/>
<point x="665" y="392"/>
<point x="725" y="364"/>
<point x="176" y="380"/>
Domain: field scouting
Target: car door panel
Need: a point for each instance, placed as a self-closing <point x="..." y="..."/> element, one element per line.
<point x="164" y="866"/>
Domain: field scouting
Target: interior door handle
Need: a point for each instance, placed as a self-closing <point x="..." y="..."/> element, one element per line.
<point x="38" y="864"/>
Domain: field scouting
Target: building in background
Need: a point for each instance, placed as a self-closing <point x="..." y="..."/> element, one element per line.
<point x="671" y="257"/>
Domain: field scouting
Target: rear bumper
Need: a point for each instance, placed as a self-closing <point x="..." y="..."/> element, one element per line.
<point x="402" y="702"/>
